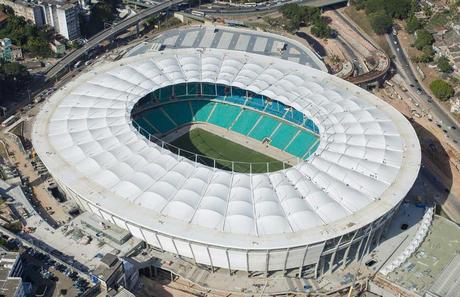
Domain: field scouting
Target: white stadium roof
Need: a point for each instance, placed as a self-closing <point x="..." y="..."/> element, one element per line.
<point x="367" y="161"/>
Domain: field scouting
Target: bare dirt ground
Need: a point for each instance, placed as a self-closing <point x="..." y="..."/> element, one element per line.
<point x="166" y="288"/>
<point x="38" y="185"/>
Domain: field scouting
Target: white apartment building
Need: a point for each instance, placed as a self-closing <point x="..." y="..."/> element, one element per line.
<point x="63" y="16"/>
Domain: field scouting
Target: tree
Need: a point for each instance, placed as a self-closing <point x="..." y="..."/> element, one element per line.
<point x="6" y="9"/>
<point x="427" y="55"/>
<point x="297" y="15"/>
<point x="322" y="30"/>
<point x="101" y="13"/>
<point x="27" y="36"/>
<point x="372" y="6"/>
<point x="443" y="64"/>
<point x="301" y="14"/>
<point x="380" y="22"/>
<point x="13" y="77"/>
<point x="412" y="25"/>
<point x="399" y="9"/>
<point x="441" y="89"/>
<point x="423" y="39"/>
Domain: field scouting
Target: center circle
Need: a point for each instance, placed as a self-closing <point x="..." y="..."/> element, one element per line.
<point x="226" y="127"/>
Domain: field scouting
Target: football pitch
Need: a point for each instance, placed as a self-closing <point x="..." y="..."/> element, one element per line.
<point x="201" y="142"/>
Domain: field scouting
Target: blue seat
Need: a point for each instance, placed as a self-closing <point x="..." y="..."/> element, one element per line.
<point x="310" y="125"/>
<point x="303" y="142"/>
<point x="283" y="135"/>
<point x="245" y="122"/>
<point x="264" y="128"/>
<point x="276" y="108"/>
<point x="156" y="118"/>
<point x="180" y="112"/>
<point x="257" y="103"/>
<point x="294" y="116"/>
<point x="224" y="115"/>
<point x="201" y="110"/>
<point x="235" y="99"/>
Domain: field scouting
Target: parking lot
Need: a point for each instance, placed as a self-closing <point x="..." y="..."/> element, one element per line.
<point x="49" y="277"/>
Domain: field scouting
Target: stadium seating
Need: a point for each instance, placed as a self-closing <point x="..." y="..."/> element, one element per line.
<point x="201" y="110"/>
<point x="264" y="128"/>
<point x="235" y="99"/>
<point x="245" y="122"/>
<point x="180" y="111"/>
<point x="155" y="117"/>
<point x="276" y="108"/>
<point x="224" y="115"/>
<point x="254" y="116"/>
<point x="257" y="103"/>
<point x="283" y="135"/>
<point x="294" y="116"/>
<point x="301" y="144"/>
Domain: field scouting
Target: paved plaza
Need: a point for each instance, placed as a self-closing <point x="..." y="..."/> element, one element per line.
<point x="234" y="39"/>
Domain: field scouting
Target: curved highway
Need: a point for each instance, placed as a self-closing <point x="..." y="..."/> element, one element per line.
<point x="439" y="114"/>
<point x="107" y="33"/>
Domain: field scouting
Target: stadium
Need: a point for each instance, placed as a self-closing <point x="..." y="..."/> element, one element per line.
<point x="233" y="160"/>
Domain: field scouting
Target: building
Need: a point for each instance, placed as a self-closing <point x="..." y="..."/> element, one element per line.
<point x="447" y="44"/>
<point x="108" y="230"/>
<point x="11" y="284"/>
<point x="9" y="52"/>
<point x="110" y="272"/>
<point x="28" y="10"/>
<point x="63" y="17"/>
<point x="326" y="211"/>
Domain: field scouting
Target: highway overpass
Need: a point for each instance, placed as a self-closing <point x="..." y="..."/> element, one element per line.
<point x="105" y="34"/>
<point x="229" y="10"/>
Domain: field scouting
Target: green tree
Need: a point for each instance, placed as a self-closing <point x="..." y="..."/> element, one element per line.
<point x="38" y="47"/>
<point x="412" y="25"/>
<point x="443" y="64"/>
<point x="27" y="36"/>
<point x="380" y="22"/>
<point x="300" y="14"/>
<point x="441" y="89"/>
<point x="322" y="30"/>
<point x="13" y="77"/>
<point x="6" y="9"/>
<point x="423" y="39"/>
<point x="372" y="6"/>
<point x="103" y="12"/>
<point x="399" y="9"/>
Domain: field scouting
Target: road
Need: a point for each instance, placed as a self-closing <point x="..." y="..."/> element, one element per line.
<point x="433" y="107"/>
<point x="105" y="34"/>
<point x="228" y="10"/>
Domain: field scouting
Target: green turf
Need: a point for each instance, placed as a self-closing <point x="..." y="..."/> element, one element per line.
<point x="201" y="142"/>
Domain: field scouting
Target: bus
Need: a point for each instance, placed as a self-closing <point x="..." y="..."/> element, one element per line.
<point x="9" y="121"/>
<point x="197" y="13"/>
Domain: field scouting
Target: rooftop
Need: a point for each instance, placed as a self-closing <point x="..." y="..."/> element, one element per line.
<point x="420" y="272"/>
<point x="367" y="161"/>
<point x="8" y="285"/>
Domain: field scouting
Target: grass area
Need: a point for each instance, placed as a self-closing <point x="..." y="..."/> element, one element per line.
<point x="18" y="129"/>
<point x="362" y="20"/>
<point x="201" y="142"/>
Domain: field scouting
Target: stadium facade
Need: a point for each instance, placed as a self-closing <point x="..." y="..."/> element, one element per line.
<point x="316" y="216"/>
